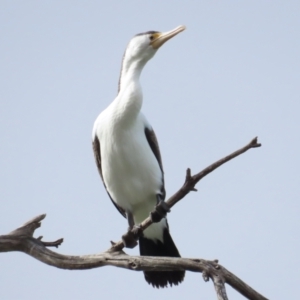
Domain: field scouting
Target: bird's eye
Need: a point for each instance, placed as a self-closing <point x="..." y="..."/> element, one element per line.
<point x="151" y="37"/>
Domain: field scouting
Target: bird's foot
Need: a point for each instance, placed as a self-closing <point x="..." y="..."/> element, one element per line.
<point x="130" y="238"/>
<point x="137" y="231"/>
<point x="160" y="212"/>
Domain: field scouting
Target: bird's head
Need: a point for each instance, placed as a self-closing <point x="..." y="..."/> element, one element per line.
<point x="144" y="45"/>
<point x="140" y="49"/>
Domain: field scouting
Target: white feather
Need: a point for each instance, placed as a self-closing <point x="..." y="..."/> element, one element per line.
<point x="130" y="170"/>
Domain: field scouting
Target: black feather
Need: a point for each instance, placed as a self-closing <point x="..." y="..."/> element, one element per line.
<point x="150" y="247"/>
<point x="147" y="32"/>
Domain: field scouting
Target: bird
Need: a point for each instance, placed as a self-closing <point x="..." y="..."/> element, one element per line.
<point x="128" y="157"/>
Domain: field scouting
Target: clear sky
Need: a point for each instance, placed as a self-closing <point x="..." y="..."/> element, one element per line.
<point x="232" y="75"/>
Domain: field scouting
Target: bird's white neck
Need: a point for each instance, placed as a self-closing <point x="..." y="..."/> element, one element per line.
<point x="130" y="98"/>
<point x="130" y="71"/>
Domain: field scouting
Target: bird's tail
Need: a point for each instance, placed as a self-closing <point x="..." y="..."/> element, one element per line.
<point x="150" y="247"/>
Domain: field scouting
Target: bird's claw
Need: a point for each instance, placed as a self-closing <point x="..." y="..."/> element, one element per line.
<point x="160" y="212"/>
<point x="130" y="238"/>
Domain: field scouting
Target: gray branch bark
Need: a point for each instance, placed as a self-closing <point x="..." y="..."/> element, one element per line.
<point x="22" y="240"/>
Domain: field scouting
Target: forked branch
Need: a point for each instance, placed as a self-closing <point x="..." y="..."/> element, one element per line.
<point x="22" y="240"/>
<point x="189" y="185"/>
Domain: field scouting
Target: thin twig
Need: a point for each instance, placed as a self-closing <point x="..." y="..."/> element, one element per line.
<point x="22" y="240"/>
<point x="189" y="185"/>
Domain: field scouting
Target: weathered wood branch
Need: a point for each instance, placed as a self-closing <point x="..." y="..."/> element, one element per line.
<point x="219" y="284"/>
<point x="189" y="185"/>
<point x="22" y="240"/>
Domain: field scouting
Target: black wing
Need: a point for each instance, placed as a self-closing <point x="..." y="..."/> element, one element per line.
<point x="97" y="154"/>
<point x="152" y="140"/>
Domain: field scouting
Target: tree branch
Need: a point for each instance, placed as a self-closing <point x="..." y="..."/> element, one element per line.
<point x="189" y="185"/>
<point x="22" y="240"/>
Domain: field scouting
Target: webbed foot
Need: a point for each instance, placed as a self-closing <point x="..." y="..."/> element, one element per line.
<point x="130" y="238"/>
<point x="160" y="212"/>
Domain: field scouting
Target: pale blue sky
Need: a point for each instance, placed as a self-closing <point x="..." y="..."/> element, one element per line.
<point x="232" y="75"/>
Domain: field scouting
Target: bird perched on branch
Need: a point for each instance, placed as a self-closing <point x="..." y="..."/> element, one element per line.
<point x="129" y="161"/>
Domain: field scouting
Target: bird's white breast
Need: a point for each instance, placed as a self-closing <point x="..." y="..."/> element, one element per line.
<point x="130" y="170"/>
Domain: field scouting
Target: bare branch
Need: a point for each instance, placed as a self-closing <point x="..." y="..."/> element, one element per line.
<point x="191" y="181"/>
<point x="220" y="287"/>
<point x="29" y="227"/>
<point x="189" y="185"/>
<point x="218" y="280"/>
<point x="22" y="240"/>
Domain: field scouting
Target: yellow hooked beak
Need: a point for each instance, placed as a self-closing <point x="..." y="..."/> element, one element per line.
<point x="161" y="37"/>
